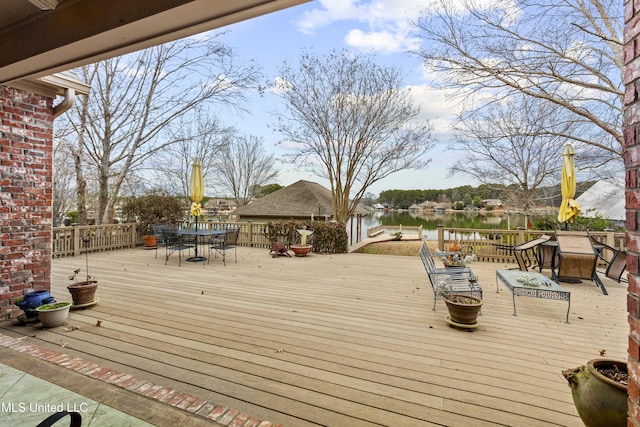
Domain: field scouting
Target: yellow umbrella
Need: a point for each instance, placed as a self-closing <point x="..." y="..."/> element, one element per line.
<point x="197" y="189"/>
<point x="569" y="208"/>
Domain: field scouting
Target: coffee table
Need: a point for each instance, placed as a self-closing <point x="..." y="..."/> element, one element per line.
<point x="532" y="284"/>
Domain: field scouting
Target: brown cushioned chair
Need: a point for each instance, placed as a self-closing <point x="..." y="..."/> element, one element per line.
<point x="576" y="258"/>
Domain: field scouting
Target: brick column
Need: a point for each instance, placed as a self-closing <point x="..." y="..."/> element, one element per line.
<point x="26" y="195"/>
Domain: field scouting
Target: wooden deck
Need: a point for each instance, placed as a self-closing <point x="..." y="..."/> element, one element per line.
<point x="336" y="340"/>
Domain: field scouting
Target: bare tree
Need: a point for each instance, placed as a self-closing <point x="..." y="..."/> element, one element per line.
<point x="137" y="96"/>
<point x="243" y="165"/>
<point x="200" y="136"/>
<point x="63" y="181"/>
<point x="515" y="143"/>
<point x="352" y="122"/>
<point x="568" y="53"/>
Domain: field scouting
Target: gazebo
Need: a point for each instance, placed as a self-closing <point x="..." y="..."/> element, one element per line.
<point x="300" y="200"/>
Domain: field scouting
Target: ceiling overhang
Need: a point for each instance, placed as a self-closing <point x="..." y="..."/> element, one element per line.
<point x="79" y="32"/>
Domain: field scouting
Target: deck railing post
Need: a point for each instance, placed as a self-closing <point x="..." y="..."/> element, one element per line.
<point x="250" y="233"/>
<point x="440" y="237"/>
<point x="133" y="235"/>
<point x="77" y="241"/>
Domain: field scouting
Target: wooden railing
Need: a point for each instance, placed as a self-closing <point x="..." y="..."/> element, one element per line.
<point x="74" y="240"/>
<point x="487" y="245"/>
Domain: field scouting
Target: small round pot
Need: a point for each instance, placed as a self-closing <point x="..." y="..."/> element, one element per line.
<point x="52" y="315"/>
<point x="463" y="309"/>
<point x="600" y="401"/>
<point x="301" y="250"/>
<point x="83" y="292"/>
<point x="150" y="241"/>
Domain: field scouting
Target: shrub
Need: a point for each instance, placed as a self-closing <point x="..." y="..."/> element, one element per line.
<point x="154" y="208"/>
<point x="327" y="237"/>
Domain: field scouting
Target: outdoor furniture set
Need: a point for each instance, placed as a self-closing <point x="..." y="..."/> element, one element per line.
<point x="570" y="256"/>
<point x="184" y="239"/>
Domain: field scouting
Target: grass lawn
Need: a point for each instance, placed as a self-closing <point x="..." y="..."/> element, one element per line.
<point x="396" y="247"/>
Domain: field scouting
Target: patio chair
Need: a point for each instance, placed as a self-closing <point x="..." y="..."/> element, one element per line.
<point x="615" y="260"/>
<point x="577" y="259"/>
<point x="526" y="254"/>
<point x="228" y="242"/>
<point x="546" y="253"/>
<point x="157" y="231"/>
<point x="174" y="242"/>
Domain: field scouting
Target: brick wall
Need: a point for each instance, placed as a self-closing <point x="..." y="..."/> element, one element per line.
<point x="632" y="165"/>
<point x="26" y="150"/>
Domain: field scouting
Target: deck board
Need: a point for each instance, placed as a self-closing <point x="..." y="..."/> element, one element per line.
<point x="338" y="340"/>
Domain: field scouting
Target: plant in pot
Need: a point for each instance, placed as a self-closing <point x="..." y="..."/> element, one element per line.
<point x="83" y="292"/>
<point x="463" y="307"/>
<point x="54" y="314"/>
<point x="457" y="260"/>
<point x="599" y="391"/>
<point x="303" y="248"/>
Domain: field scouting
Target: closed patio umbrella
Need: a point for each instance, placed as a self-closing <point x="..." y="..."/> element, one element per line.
<point x="197" y="189"/>
<point x="569" y="208"/>
<point x="197" y="194"/>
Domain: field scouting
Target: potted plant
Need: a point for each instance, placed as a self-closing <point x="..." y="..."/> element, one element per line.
<point x="599" y="391"/>
<point x="303" y="248"/>
<point x="456" y="260"/>
<point x="83" y="292"/>
<point x="464" y="308"/>
<point x="54" y="314"/>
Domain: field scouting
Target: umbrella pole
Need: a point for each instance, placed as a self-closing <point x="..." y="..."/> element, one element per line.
<point x="196" y="258"/>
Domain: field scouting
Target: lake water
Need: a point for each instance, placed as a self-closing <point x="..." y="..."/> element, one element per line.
<point x="430" y="221"/>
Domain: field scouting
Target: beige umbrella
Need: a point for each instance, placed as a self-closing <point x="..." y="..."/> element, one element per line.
<point x="569" y="208"/>
<point x="197" y="189"/>
<point x="197" y="194"/>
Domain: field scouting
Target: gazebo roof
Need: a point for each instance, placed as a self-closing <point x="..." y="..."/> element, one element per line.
<point x="298" y="200"/>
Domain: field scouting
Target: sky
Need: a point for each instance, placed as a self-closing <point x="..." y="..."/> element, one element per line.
<point x="379" y="28"/>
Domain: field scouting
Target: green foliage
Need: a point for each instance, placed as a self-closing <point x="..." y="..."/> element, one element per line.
<point x="597" y="223"/>
<point x="154" y="208"/>
<point x="72" y="218"/>
<point x="327" y="237"/>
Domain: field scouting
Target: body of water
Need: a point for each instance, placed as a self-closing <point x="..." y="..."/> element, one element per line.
<point x="430" y="221"/>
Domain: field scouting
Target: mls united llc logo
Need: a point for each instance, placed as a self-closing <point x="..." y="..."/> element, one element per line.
<point x="23" y="407"/>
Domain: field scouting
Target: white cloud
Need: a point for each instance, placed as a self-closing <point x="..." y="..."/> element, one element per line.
<point x="382" y="26"/>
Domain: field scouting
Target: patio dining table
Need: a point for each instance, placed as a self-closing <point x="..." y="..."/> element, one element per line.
<point x="197" y="234"/>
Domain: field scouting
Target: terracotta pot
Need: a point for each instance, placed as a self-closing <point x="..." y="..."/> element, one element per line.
<point x="301" y="250"/>
<point x="55" y="314"/>
<point x="463" y="309"/>
<point x="600" y="401"/>
<point x="83" y="292"/>
<point x="150" y="241"/>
